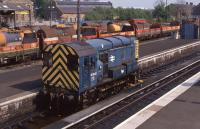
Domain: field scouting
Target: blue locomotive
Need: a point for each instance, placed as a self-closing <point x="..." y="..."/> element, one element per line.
<point x="89" y="70"/>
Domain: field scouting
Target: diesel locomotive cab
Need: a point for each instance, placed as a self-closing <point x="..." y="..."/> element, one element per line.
<point x="63" y="64"/>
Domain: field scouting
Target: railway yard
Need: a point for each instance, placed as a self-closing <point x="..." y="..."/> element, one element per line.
<point x="19" y="91"/>
<point x="90" y="71"/>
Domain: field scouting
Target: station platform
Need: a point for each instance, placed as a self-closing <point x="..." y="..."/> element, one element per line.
<point x="178" y="109"/>
<point x="20" y="80"/>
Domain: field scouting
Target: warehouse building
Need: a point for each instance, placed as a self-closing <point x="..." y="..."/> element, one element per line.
<point x="184" y="10"/>
<point x="67" y="10"/>
<point x="196" y="11"/>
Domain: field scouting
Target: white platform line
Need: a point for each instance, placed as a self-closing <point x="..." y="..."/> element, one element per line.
<point x="18" y="99"/>
<point x="140" y="117"/>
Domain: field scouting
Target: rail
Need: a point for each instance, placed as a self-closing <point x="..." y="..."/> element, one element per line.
<point x="149" y="89"/>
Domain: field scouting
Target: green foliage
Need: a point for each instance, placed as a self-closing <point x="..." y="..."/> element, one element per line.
<point x="160" y="12"/>
<point x="121" y="13"/>
<point x="41" y="6"/>
<point x="163" y="13"/>
<point x="100" y="14"/>
<point x="171" y="11"/>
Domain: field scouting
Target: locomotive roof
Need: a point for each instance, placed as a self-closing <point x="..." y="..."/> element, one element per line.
<point x="82" y="48"/>
<point x="103" y="44"/>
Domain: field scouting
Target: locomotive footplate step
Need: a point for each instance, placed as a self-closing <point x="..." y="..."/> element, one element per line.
<point x="178" y="109"/>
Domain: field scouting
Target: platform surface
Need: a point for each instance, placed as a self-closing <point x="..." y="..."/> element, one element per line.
<point x="20" y="80"/>
<point x="16" y="82"/>
<point x="178" y="109"/>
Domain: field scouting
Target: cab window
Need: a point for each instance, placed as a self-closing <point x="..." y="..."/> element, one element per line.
<point x="47" y="59"/>
<point x="90" y="62"/>
<point x="93" y="62"/>
<point x="72" y="62"/>
<point x="87" y="63"/>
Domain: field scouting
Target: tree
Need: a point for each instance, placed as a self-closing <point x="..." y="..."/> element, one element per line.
<point x="160" y="12"/>
<point x="120" y="13"/>
<point x="172" y="12"/>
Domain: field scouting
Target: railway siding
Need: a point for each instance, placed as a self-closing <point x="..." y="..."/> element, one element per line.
<point x="167" y="56"/>
<point x="15" y="106"/>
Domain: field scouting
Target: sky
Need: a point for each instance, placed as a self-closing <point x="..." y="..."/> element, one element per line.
<point x="149" y="4"/>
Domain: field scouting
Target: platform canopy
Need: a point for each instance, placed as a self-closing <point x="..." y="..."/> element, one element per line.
<point x="6" y="8"/>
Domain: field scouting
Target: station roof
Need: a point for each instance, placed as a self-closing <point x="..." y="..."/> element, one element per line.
<point x="72" y="10"/>
<point x="17" y="1"/>
<point x="82" y="3"/>
<point x="12" y="7"/>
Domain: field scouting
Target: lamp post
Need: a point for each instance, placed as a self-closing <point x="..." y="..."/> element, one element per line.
<point x="166" y="10"/>
<point x="51" y="12"/>
<point x="30" y="15"/>
<point x="14" y="16"/>
<point x="78" y="21"/>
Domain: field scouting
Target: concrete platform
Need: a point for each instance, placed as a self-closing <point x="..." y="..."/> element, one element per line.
<point x="20" y="80"/>
<point x="178" y="109"/>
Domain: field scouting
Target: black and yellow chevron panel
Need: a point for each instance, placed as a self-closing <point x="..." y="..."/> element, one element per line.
<point x="61" y="73"/>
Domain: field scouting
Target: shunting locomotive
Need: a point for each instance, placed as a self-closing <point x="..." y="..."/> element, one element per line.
<point x="87" y="71"/>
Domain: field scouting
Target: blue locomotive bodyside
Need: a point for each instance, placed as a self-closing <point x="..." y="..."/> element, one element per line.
<point x="115" y="58"/>
<point x="80" y="66"/>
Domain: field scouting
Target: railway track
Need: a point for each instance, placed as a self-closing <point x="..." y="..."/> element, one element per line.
<point x="35" y="120"/>
<point x="164" y="84"/>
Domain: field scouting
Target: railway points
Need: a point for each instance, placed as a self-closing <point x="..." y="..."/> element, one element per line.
<point x="179" y="109"/>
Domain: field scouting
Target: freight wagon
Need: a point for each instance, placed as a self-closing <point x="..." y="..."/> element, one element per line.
<point x="15" y="46"/>
<point x="140" y="28"/>
<point x="28" y="42"/>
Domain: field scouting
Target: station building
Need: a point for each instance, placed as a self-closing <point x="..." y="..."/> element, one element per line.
<point x="196" y="11"/>
<point x="184" y="10"/>
<point x="14" y="13"/>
